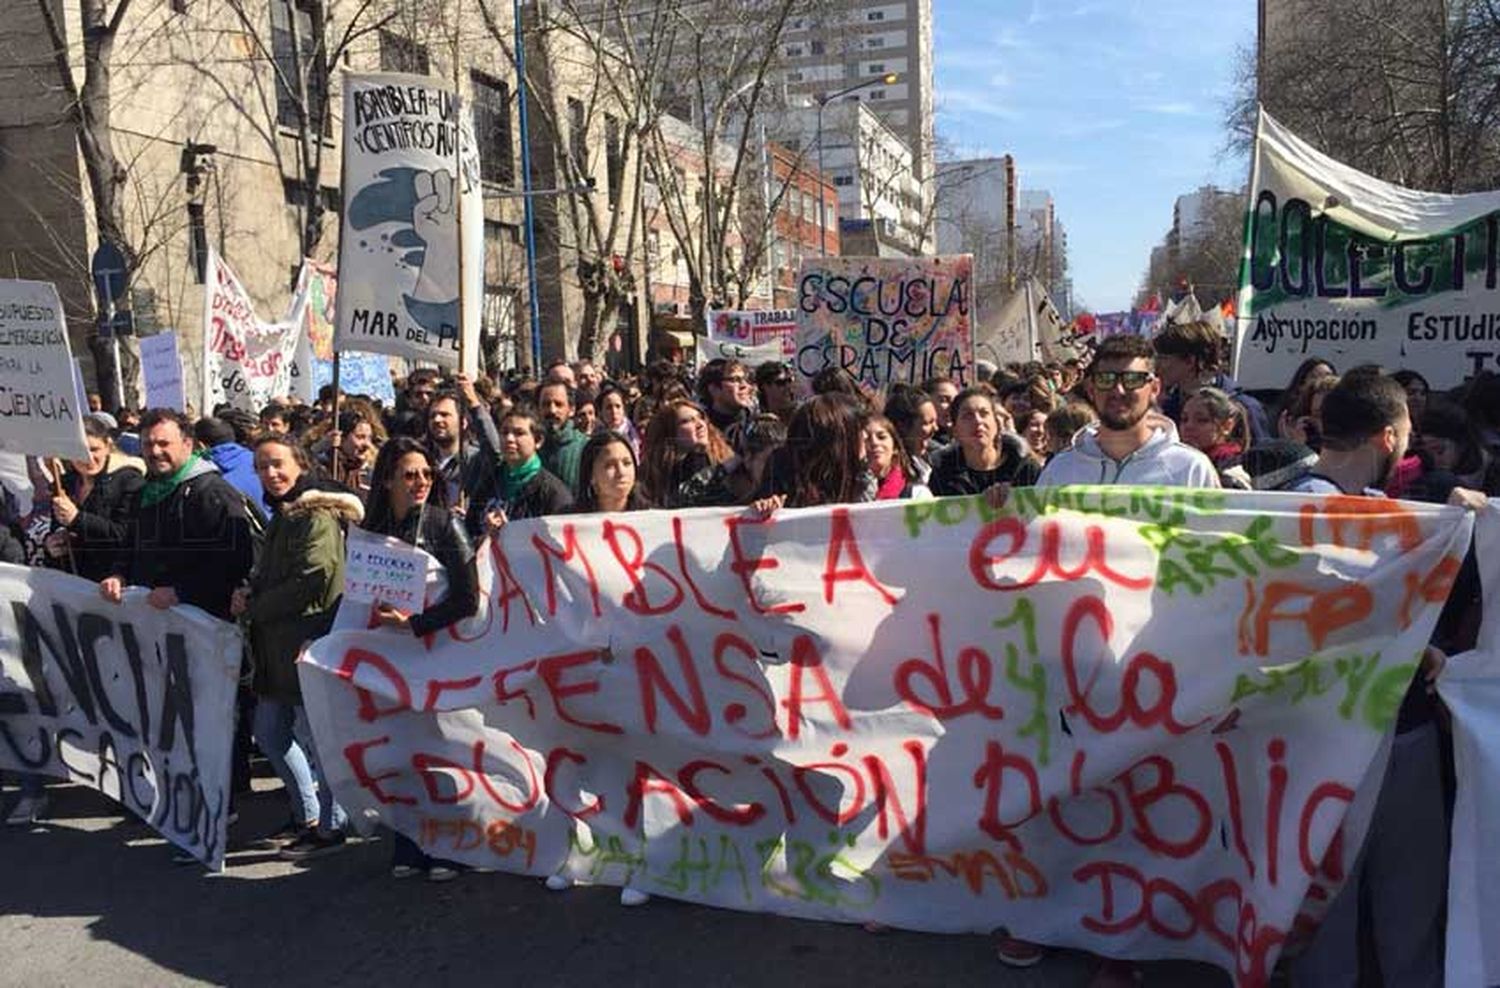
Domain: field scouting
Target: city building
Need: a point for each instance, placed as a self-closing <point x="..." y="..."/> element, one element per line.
<point x="976" y="214"/>
<point x="206" y="129"/>
<point x="804" y="222"/>
<point x="882" y="207"/>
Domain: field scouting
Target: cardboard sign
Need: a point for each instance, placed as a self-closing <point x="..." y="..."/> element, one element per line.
<point x="39" y="409"/>
<point x="381" y="570"/>
<point x="161" y="368"/>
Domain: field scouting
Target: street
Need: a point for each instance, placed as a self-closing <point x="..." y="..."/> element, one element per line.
<point x="92" y="898"/>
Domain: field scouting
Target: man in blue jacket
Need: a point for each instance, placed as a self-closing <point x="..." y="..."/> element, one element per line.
<point x="235" y="462"/>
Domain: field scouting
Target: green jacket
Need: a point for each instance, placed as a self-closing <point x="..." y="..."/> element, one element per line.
<point x="561" y="452"/>
<point x="295" y="589"/>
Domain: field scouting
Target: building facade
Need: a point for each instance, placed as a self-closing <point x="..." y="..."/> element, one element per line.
<point x="203" y="118"/>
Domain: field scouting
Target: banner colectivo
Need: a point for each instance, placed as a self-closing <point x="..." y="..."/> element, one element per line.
<point x="135" y="702"/>
<point x="1344" y="266"/>
<point x="1149" y="723"/>
<point x="413" y="226"/>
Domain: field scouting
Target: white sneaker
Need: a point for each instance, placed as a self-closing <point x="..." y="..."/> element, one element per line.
<point x="633" y="897"/>
<point x="28" y="810"/>
<point x="559" y="883"/>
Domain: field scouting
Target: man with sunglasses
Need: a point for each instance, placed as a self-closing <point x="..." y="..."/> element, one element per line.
<point x="777" y="393"/>
<point x="1130" y="444"/>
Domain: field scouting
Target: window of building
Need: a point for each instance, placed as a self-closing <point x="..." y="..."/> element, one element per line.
<point x="875" y="68"/>
<point x="875" y="41"/>
<point x="294" y="193"/>
<point x="399" y="53"/>
<point x="492" y="129"/>
<point x="197" y="242"/>
<point x="794" y="77"/>
<point x="843" y="181"/>
<point x="875" y="15"/>
<point x="877" y="94"/>
<point x="309" y="68"/>
<point x="793" y="51"/>
<point x="818" y="47"/>
<point x="578" y="135"/>
<point x="614" y="156"/>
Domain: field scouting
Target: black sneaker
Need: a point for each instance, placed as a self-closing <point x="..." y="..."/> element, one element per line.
<point x="288" y="834"/>
<point x="314" y="845"/>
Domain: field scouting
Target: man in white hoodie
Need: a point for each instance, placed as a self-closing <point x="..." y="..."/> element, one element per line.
<point x="1129" y="445"/>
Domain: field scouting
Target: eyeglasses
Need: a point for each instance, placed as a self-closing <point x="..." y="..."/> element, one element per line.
<point x="1131" y="380"/>
<point x="411" y="476"/>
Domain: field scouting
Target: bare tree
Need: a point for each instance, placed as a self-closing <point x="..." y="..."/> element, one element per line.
<point x="1407" y="90"/>
<point x="1205" y="258"/>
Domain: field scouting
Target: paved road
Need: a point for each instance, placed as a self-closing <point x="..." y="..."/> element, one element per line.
<point x="91" y="898"/>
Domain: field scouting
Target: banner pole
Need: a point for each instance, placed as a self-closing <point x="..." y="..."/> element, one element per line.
<point x="458" y="204"/>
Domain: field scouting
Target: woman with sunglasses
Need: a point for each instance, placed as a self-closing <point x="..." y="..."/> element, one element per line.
<point x="983" y="453"/>
<point x="406" y="504"/>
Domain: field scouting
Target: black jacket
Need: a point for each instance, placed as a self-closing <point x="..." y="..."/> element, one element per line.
<point x="439" y="531"/>
<point x="196" y="540"/>
<point x="543" y="495"/>
<point x="952" y="475"/>
<point x="103" y="522"/>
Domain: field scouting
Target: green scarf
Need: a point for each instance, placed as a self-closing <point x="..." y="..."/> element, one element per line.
<point x="158" y="489"/>
<point x="512" y="479"/>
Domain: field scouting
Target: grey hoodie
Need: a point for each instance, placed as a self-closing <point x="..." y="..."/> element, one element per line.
<point x="1163" y="462"/>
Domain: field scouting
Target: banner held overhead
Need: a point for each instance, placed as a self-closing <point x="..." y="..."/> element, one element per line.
<point x="410" y="269"/>
<point x="1340" y="265"/>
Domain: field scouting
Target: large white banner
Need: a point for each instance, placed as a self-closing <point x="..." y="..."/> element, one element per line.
<point x="39" y="411"/>
<point x="246" y="362"/>
<point x="411" y="256"/>
<point x="754" y="327"/>
<point x="1343" y="266"/>
<point x="1139" y="722"/>
<point x="135" y="702"/>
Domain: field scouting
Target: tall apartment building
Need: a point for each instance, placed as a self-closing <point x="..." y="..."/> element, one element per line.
<point x="841" y="43"/>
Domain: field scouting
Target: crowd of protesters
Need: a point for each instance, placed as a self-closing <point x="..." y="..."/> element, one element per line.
<point x="245" y="517"/>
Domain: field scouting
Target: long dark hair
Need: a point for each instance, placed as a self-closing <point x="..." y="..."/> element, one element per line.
<point x="588" y="501"/>
<point x="378" y="514"/>
<point x="825" y="439"/>
<point x="664" y="453"/>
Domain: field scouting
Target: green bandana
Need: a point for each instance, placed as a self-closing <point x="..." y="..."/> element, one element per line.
<point x="158" y="489"/>
<point x="512" y="479"/>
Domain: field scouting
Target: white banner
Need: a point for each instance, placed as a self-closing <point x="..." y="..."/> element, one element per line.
<point x="1470" y="687"/>
<point x="1010" y="337"/>
<point x="161" y="367"/>
<point x="135" y="702"/>
<point x="1132" y="721"/>
<point x="246" y="362"/>
<point x="39" y="411"/>
<point x="411" y="255"/>
<point x="1343" y="266"/>
<point x="753" y="327"/>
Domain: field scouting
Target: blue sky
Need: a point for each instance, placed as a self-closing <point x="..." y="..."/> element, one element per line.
<point x="1113" y="106"/>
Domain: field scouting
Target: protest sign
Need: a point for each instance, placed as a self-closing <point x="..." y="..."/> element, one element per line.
<point x="412" y="250"/>
<point x="39" y="410"/>
<point x="1343" y="266"/>
<point x="1138" y="722"/>
<point x="886" y="320"/>
<point x="1011" y="335"/>
<point x="751" y="355"/>
<point x="367" y="374"/>
<point x="130" y="700"/>
<point x="753" y="327"/>
<point x="162" y="369"/>
<point x="382" y="570"/>
<point x="246" y="362"/>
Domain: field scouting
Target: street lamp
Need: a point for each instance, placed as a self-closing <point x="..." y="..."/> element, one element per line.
<point x="889" y="79"/>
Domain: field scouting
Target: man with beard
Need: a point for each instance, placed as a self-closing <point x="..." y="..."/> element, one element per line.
<point x="1129" y="445"/>
<point x="1397" y="884"/>
<point x="1132" y="445"/>
<point x="564" y="444"/>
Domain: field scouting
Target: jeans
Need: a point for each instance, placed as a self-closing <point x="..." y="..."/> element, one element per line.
<point x="282" y="732"/>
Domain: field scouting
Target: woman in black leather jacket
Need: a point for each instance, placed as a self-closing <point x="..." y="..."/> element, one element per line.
<point x="406" y="504"/>
<point x="94" y="510"/>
